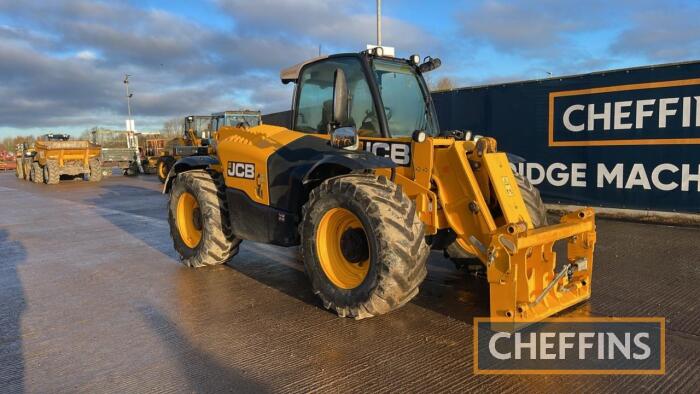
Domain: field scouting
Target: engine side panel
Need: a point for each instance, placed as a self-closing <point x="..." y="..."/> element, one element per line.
<point x="269" y="163"/>
<point x="244" y="154"/>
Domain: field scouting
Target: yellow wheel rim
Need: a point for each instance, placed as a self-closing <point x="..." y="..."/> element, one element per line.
<point x="161" y="170"/>
<point x="189" y="220"/>
<point x="335" y="228"/>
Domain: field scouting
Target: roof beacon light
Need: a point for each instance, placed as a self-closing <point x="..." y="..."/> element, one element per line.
<point x="381" y="50"/>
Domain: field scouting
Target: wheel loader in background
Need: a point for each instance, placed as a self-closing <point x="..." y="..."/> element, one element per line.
<point x="55" y="155"/>
<point x="366" y="184"/>
<point x="196" y="130"/>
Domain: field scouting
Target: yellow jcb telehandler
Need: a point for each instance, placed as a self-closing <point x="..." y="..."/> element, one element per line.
<point x="366" y="184"/>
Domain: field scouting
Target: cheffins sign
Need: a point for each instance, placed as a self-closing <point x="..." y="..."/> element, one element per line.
<point x="625" y="138"/>
<point x="654" y="113"/>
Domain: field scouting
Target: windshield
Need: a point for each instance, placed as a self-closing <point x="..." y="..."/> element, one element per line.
<point x="404" y="99"/>
<point x="201" y="125"/>
<point x="235" y="120"/>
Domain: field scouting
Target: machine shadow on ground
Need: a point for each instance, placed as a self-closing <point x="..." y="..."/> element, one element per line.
<point x="202" y="371"/>
<point x="145" y="220"/>
<point x="13" y="305"/>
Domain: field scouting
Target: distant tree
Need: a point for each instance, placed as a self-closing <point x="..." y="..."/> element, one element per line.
<point x="6" y="144"/>
<point x="85" y="135"/>
<point x="444" y="83"/>
<point x="10" y="143"/>
<point x="172" y="127"/>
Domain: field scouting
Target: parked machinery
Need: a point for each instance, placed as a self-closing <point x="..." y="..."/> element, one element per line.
<point x="153" y="146"/>
<point x="196" y="133"/>
<point x="236" y="118"/>
<point x="366" y="184"/>
<point x="120" y="149"/>
<point x="22" y="168"/>
<point x="54" y="155"/>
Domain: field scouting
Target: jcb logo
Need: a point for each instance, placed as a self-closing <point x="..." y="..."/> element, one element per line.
<point x="399" y="153"/>
<point x="241" y="170"/>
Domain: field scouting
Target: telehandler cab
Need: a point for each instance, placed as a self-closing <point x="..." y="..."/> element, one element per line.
<point x="366" y="185"/>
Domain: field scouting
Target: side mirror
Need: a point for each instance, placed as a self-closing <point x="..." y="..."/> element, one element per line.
<point x="345" y="138"/>
<point x="340" y="97"/>
<point x="430" y="64"/>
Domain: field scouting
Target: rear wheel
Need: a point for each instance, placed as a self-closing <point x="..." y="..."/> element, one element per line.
<point x="95" y="171"/>
<point x="199" y="220"/>
<point x="52" y="175"/>
<point x="37" y="173"/>
<point x="363" y="246"/>
<point x="535" y="207"/>
<point x="163" y="167"/>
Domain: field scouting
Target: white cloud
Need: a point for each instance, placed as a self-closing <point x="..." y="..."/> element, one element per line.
<point x="86" y="55"/>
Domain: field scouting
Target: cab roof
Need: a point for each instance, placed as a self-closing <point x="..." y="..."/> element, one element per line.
<point x="291" y="74"/>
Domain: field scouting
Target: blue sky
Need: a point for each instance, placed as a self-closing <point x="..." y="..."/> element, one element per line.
<point x="63" y="61"/>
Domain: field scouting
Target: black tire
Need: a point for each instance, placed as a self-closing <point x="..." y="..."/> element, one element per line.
<point x="461" y="258"/>
<point x="27" y="168"/>
<point x="53" y="176"/>
<point x="163" y="167"/>
<point x="95" y="174"/>
<point x="133" y="169"/>
<point x="535" y="207"/>
<point x="19" y="170"/>
<point x="217" y="244"/>
<point x="533" y="201"/>
<point x="396" y="244"/>
<point x="37" y="173"/>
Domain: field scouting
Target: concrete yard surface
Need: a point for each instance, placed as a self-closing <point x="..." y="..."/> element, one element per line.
<point x="94" y="299"/>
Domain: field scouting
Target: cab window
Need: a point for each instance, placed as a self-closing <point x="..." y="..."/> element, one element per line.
<point x="315" y="102"/>
<point x="404" y="99"/>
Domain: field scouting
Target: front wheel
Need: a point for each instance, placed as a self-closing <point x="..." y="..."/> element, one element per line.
<point x="199" y="220"/>
<point x="37" y="173"/>
<point x="51" y="173"/>
<point x="163" y="167"/>
<point x="533" y="201"/>
<point x="363" y="246"/>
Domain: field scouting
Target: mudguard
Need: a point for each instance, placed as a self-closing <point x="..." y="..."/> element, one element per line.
<point x="298" y="166"/>
<point x="187" y="164"/>
<point x="345" y="162"/>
